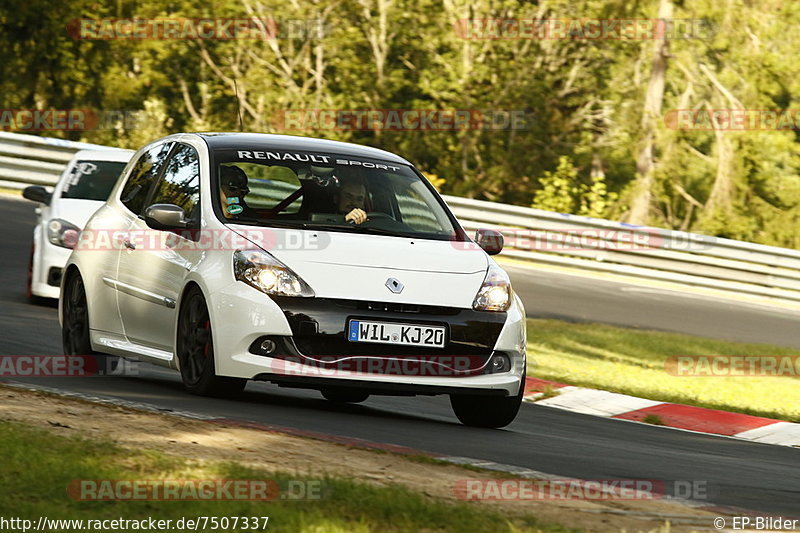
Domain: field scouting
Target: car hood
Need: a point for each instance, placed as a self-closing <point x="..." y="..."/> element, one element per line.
<point x="75" y="211"/>
<point x="359" y="266"/>
<point x="373" y="251"/>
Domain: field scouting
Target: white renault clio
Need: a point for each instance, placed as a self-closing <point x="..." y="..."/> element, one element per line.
<point x="81" y="189"/>
<point x="303" y="262"/>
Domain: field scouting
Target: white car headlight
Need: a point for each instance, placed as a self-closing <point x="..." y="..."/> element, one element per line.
<point x="262" y="271"/>
<point x="62" y="233"/>
<point x="495" y="293"/>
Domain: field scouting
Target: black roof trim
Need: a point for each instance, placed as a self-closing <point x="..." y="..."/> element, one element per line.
<point x="268" y="141"/>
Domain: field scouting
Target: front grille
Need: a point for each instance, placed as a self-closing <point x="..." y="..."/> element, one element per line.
<point x="395" y="307"/>
<point x="319" y="327"/>
<point x="371" y="358"/>
<point x="336" y="345"/>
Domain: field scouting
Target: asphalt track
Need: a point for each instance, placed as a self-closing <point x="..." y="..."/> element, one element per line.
<point x="584" y="299"/>
<point x="738" y="473"/>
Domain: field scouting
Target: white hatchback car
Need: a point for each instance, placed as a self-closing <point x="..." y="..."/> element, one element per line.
<point x="303" y="262"/>
<point x="81" y="189"/>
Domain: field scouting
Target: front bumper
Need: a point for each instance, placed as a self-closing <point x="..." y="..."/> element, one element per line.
<point x="313" y="351"/>
<point x="49" y="261"/>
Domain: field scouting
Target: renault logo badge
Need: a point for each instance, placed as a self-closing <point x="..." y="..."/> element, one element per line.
<point x="394" y="285"/>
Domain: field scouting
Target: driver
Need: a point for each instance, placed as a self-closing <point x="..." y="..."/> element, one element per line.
<point x="233" y="189"/>
<point x="351" y="200"/>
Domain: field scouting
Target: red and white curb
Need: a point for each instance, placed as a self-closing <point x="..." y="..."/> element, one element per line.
<point x="688" y="417"/>
<point x="576" y="399"/>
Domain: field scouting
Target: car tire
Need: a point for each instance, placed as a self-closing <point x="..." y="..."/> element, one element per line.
<point x="75" y="339"/>
<point x="194" y="348"/>
<point x="75" y="324"/>
<point x="344" y="395"/>
<point x="487" y="411"/>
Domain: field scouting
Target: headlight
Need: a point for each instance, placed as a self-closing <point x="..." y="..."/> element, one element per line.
<point x="262" y="271"/>
<point x="62" y="233"/>
<point x="495" y="293"/>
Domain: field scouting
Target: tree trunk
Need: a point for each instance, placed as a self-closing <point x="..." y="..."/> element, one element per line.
<point x="722" y="191"/>
<point x="721" y="196"/>
<point x="641" y="202"/>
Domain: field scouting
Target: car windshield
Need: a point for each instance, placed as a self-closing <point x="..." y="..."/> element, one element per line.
<point x="322" y="191"/>
<point x="91" y="180"/>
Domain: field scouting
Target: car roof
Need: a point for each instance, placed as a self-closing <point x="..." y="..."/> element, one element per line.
<point x="234" y="140"/>
<point x="111" y="154"/>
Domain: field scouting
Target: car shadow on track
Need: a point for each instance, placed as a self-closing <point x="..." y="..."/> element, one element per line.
<point x="168" y="385"/>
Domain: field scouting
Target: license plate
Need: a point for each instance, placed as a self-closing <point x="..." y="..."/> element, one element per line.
<point x="393" y="333"/>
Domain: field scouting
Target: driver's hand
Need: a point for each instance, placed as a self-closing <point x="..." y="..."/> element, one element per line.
<point x="356" y="216"/>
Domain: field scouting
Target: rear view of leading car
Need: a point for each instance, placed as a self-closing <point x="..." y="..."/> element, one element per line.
<point x="302" y="262"/>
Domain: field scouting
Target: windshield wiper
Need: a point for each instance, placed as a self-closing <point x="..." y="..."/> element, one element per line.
<point x="381" y="231"/>
<point x="270" y="222"/>
<point x="355" y="228"/>
<point x="345" y="228"/>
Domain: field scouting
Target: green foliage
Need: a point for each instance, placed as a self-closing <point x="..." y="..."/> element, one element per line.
<point x="595" y="198"/>
<point x="37" y="467"/>
<point x="635" y="362"/>
<point x="558" y="189"/>
<point x="584" y="99"/>
<point x="653" y="419"/>
<point x="561" y="191"/>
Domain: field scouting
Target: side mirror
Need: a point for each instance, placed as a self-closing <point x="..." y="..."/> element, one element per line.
<point x="490" y="240"/>
<point x="165" y="217"/>
<point x="37" y="193"/>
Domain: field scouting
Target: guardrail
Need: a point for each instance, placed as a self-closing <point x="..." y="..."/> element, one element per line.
<point x="533" y="235"/>
<point x="641" y="251"/>
<point x="32" y="160"/>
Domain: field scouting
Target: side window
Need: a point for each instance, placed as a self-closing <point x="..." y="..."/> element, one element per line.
<point x="270" y="185"/>
<point x="180" y="184"/>
<point x="135" y="191"/>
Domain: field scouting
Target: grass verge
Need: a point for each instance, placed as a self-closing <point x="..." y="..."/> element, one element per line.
<point x="632" y="361"/>
<point x="37" y="467"/>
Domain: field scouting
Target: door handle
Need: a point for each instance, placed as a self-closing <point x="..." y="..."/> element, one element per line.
<point x="129" y="245"/>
